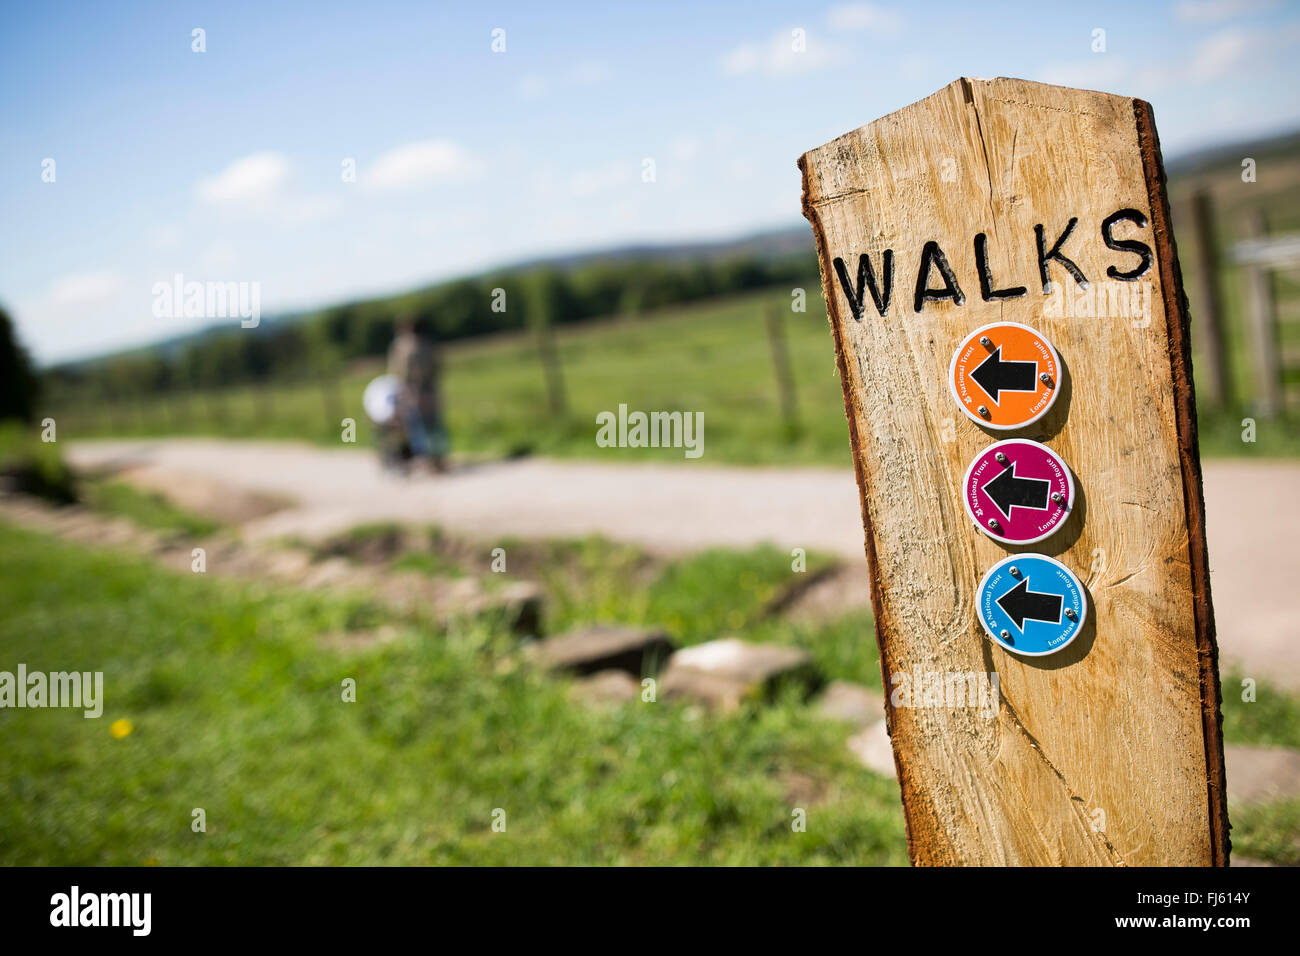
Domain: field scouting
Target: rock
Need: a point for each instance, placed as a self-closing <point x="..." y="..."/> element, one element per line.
<point x="759" y="665"/>
<point x="606" y="687"/>
<point x="850" y="703"/>
<point x="637" y="651"/>
<point x="1261" y="774"/>
<point x="874" y="749"/>
<point x="519" y="602"/>
<point x="827" y="594"/>
<point x="722" y="673"/>
<point x="715" y="691"/>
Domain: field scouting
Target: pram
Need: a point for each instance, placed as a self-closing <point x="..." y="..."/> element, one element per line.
<point x="393" y="428"/>
<point x="381" y="403"/>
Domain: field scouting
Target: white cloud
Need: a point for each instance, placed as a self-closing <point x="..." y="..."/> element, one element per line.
<point x="251" y="179"/>
<point x="1215" y="58"/>
<point x="1220" y="53"/>
<point x="84" y="288"/>
<point x="782" y="54"/>
<point x="864" y="16"/>
<point x="418" y="163"/>
<point x="1215" y="11"/>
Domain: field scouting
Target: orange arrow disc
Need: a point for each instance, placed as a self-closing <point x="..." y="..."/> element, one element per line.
<point x="1005" y="375"/>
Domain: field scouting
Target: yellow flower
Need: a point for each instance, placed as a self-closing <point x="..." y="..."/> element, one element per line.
<point x="120" y="728"/>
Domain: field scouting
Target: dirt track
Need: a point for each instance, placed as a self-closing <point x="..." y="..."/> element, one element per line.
<point x="1254" y="524"/>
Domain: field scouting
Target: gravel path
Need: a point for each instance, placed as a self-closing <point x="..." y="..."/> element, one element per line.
<point x="1254" y="533"/>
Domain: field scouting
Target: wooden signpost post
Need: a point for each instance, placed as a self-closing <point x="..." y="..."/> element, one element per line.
<point x="1004" y="201"/>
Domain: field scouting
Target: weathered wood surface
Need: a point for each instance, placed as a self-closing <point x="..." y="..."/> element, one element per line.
<point x="1125" y="720"/>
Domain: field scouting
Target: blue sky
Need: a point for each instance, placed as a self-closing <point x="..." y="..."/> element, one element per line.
<point x="227" y="165"/>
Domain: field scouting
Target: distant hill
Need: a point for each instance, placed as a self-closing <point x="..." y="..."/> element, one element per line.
<point x="767" y="247"/>
<point x="764" y="245"/>
<point x="1202" y="161"/>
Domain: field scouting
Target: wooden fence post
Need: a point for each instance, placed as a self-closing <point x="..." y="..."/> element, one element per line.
<point x="1261" y="320"/>
<point x="781" y="369"/>
<point x="1207" y="317"/>
<point x="552" y="370"/>
<point x="332" y="393"/>
<point x="989" y="202"/>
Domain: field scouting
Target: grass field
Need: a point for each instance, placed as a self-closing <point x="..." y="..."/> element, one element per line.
<point x="234" y="706"/>
<point x="712" y="358"/>
<point x="236" y="709"/>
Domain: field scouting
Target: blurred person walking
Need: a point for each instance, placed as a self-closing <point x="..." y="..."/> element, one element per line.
<point x="414" y="361"/>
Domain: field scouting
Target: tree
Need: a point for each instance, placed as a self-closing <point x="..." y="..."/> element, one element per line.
<point x="19" y="386"/>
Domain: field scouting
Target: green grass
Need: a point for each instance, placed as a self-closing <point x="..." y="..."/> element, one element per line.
<point x="717" y="592"/>
<point x="148" y="509"/>
<point x="236" y="709"/>
<point x="1271" y="719"/>
<point x="1270" y="832"/>
<point x="34" y="466"/>
<point x="714" y="593"/>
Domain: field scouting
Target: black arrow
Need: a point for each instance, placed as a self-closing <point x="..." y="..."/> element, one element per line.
<point x="995" y="375"/>
<point x="1008" y="491"/>
<point x="1021" y="604"/>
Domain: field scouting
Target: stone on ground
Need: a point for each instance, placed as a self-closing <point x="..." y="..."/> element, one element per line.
<point x="874" y="750"/>
<point x="850" y="703"/>
<point x="606" y="687"/>
<point x="722" y="673"/>
<point x="637" y="651"/>
<point x="714" y="691"/>
<point x="828" y="596"/>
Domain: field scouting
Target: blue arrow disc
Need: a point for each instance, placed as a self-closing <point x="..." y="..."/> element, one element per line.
<point x="1032" y="604"/>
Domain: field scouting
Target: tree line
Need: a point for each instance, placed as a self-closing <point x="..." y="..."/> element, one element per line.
<point x="322" y="342"/>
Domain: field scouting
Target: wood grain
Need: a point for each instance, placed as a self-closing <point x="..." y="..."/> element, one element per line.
<point x="1108" y="753"/>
